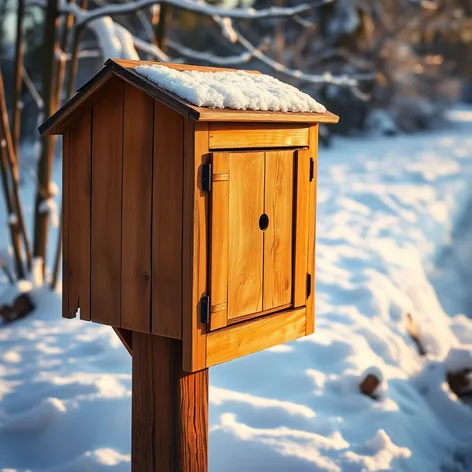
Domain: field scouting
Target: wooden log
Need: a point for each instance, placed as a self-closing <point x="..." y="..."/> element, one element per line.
<point x="169" y="409"/>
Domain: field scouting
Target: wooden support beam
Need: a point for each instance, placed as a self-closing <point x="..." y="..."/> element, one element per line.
<point x="169" y="409"/>
<point x="126" y="337"/>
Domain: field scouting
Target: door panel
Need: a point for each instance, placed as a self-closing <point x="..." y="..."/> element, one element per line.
<point x="277" y="289"/>
<point x="246" y="205"/>
<point x="219" y="240"/>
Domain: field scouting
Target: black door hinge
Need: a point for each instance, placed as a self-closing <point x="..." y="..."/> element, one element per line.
<point x="308" y="286"/>
<point x="205" y="309"/>
<point x="312" y="169"/>
<point x="206" y="177"/>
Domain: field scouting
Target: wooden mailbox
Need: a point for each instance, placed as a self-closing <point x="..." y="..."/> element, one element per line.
<point x="184" y="222"/>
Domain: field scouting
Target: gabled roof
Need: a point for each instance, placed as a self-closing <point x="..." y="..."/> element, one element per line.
<point x="125" y="70"/>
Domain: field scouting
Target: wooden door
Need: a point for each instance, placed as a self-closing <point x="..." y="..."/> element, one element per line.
<point x="253" y="200"/>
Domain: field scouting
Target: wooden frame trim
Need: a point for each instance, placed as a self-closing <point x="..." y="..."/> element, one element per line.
<point x="254" y="335"/>
<point x="195" y="233"/>
<point x="312" y="203"/>
<point x="126" y="337"/>
<point x="257" y="135"/>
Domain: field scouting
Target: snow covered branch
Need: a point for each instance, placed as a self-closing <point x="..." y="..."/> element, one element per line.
<point x="342" y="80"/>
<point x="83" y="16"/>
<point x="241" y="58"/>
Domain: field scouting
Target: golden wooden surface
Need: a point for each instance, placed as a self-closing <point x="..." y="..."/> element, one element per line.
<point x="310" y="303"/>
<point x="136" y="210"/>
<point x="246" y="205"/>
<point x="195" y="237"/>
<point x="167" y="222"/>
<point x="79" y="217"/>
<point x="107" y="167"/>
<point x="301" y="227"/>
<point x="250" y="116"/>
<point x="255" y="335"/>
<point x="257" y="135"/>
<point x="277" y="288"/>
<point x="219" y="240"/>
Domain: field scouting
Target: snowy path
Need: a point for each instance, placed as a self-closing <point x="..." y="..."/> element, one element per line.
<point x="386" y="209"/>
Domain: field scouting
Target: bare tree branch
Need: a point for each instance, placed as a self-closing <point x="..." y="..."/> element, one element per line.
<point x="84" y="17"/>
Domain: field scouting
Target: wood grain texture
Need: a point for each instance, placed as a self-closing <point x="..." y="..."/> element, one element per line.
<point x="246" y="205"/>
<point x="169" y="410"/>
<point x="259" y="314"/>
<point x="107" y="167"/>
<point x="255" y="335"/>
<point x="79" y="217"/>
<point x="219" y="241"/>
<point x="66" y="313"/>
<point x="310" y="303"/>
<point x="249" y="116"/>
<point x="195" y="242"/>
<point x="143" y="404"/>
<point x="167" y="222"/>
<point x="279" y="207"/>
<point x="89" y="94"/>
<point x="136" y="210"/>
<point x="257" y="135"/>
<point x="301" y="227"/>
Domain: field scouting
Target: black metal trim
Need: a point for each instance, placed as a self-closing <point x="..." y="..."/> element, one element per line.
<point x="312" y="169"/>
<point x="205" y="309"/>
<point x="206" y="177"/>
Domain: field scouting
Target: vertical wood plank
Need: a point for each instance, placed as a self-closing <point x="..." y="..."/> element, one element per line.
<point x="195" y="241"/>
<point x="136" y="211"/>
<point x="143" y="404"/>
<point x="79" y="217"/>
<point x="278" y="236"/>
<point x="246" y="205"/>
<point x="310" y="303"/>
<point x="170" y="409"/>
<point x="167" y="222"/>
<point x="65" y="225"/>
<point x="107" y="167"/>
<point x="301" y="227"/>
<point x="219" y="240"/>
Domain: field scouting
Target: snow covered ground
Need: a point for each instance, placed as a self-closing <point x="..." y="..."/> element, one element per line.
<point x="390" y="215"/>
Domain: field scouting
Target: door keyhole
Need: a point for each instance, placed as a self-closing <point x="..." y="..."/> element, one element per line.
<point x="263" y="222"/>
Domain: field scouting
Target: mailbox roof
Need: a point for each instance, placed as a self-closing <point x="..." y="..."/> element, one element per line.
<point x="125" y="70"/>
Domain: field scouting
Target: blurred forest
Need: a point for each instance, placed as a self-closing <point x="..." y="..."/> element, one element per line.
<point x="389" y="67"/>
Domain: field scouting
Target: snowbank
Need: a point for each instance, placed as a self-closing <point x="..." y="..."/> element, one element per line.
<point x="238" y="90"/>
<point x="386" y="207"/>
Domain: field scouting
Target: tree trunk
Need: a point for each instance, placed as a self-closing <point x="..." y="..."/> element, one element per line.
<point x="162" y="26"/>
<point x="17" y="80"/>
<point x="46" y="160"/>
<point x="13" y="179"/>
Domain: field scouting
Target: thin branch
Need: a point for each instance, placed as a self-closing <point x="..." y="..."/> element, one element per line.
<point x="242" y="58"/>
<point x="84" y="17"/>
<point x="74" y="62"/>
<point x="32" y="89"/>
<point x="11" y="166"/>
<point x="327" y="78"/>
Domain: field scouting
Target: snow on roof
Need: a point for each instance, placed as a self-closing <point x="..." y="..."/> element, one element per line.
<point x="238" y="90"/>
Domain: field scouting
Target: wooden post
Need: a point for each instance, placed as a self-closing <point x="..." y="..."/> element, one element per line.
<point x="170" y="409"/>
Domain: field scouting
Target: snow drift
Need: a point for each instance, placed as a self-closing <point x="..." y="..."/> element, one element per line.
<point x="386" y="207"/>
